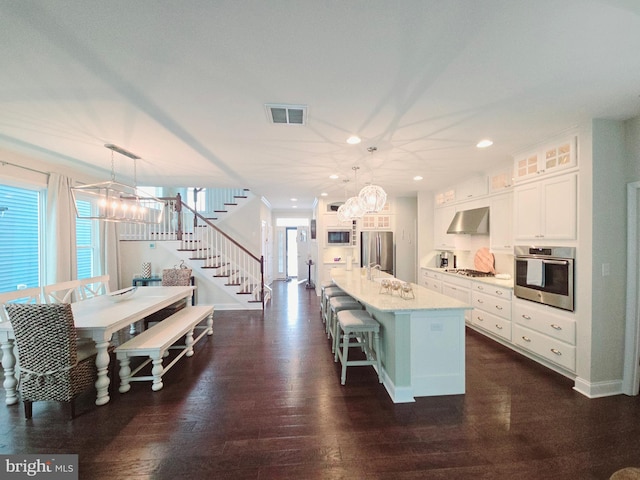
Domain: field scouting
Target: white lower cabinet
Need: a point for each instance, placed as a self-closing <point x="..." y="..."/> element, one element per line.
<point x="460" y="289"/>
<point x="431" y="280"/>
<point x="546" y="332"/>
<point x="492" y="309"/>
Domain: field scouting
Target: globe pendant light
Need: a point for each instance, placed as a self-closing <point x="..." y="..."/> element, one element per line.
<point x="372" y="197"/>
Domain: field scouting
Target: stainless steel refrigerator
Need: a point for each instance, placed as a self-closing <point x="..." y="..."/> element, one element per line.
<point x="377" y="248"/>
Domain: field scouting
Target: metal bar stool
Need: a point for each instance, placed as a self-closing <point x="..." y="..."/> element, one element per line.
<point x="358" y="325"/>
<point x="337" y="304"/>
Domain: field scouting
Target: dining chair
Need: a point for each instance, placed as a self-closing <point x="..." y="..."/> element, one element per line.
<point x="92" y="287"/>
<point x="26" y="295"/>
<point x="171" y="277"/>
<point x="52" y="367"/>
<point x="63" y="292"/>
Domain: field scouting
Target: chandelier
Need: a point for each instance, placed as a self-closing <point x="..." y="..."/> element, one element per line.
<point x="116" y="202"/>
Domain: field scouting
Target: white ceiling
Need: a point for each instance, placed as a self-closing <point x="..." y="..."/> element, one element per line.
<point x="183" y="85"/>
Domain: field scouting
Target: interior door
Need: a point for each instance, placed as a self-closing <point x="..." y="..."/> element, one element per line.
<point x="303" y="251"/>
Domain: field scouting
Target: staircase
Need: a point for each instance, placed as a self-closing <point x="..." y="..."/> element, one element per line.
<point x="220" y="260"/>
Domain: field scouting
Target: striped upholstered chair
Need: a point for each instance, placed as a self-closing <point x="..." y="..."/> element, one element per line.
<point x="52" y="368"/>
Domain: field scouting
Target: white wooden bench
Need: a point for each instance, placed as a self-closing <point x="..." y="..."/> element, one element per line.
<point x="155" y="342"/>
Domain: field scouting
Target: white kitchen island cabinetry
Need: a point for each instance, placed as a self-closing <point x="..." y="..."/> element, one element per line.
<point x="545" y="331"/>
<point x="546" y="209"/>
<point x="422" y="339"/>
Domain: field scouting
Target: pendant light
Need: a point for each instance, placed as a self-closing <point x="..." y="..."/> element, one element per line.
<point x="116" y="202"/>
<point x="372" y="197"/>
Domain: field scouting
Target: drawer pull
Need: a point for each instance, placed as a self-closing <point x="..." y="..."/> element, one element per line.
<point x="480" y="300"/>
<point x="526" y="317"/>
<point x="526" y="339"/>
<point x="498" y="307"/>
<point x="480" y="287"/>
<point x="480" y="318"/>
<point x="498" y="292"/>
<point x="499" y="327"/>
<point x="556" y="327"/>
<point x="556" y="352"/>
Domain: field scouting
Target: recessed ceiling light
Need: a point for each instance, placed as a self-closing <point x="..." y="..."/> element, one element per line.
<point x="484" y="143"/>
<point x="353" y="140"/>
<point x="417" y="177"/>
<point x="294" y="199"/>
<point x="324" y="194"/>
<point x="294" y="206"/>
<point x="334" y="176"/>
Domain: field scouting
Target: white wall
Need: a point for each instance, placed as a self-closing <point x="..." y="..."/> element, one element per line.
<point x="608" y="249"/>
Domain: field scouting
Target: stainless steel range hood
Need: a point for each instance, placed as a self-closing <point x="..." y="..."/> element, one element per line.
<point x="474" y="222"/>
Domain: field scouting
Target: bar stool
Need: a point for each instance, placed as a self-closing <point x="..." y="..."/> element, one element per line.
<point x="323" y="285"/>
<point x="359" y="325"/>
<point x="337" y="304"/>
<point x="330" y="292"/>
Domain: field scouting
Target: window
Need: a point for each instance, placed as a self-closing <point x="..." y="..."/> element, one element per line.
<point x="20" y="238"/>
<point x="86" y="243"/>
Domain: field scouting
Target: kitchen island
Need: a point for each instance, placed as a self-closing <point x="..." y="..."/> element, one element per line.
<point x="422" y="339"/>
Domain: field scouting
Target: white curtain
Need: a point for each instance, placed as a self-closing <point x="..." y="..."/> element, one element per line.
<point x="60" y="249"/>
<point x="110" y="253"/>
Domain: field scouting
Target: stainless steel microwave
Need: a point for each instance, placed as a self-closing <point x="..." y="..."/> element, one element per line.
<point x="339" y="237"/>
<point x="545" y="275"/>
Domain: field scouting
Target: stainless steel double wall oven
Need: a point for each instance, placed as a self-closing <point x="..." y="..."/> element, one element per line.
<point x="545" y="275"/>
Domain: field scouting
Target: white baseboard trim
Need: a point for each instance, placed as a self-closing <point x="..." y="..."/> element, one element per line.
<point x="598" y="389"/>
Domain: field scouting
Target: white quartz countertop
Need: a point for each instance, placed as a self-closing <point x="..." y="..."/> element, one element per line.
<point x="368" y="292"/>
<point x="489" y="280"/>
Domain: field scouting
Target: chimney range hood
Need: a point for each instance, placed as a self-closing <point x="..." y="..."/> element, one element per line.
<point x="473" y="222"/>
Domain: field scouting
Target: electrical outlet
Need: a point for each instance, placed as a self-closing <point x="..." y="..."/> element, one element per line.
<point x="606" y="269"/>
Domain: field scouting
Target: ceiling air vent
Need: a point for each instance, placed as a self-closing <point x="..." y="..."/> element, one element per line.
<point x="287" y="114"/>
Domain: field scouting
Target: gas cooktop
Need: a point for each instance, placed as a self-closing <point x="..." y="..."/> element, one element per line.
<point x="467" y="272"/>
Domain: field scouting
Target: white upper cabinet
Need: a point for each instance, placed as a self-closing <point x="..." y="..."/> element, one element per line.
<point x="553" y="157"/>
<point x="442" y="220"/>
<point x="501" y="223"/>
<point x="472" y="187"/>
<point x="546" y="209"/>
<point x="445" y="196"/>
<point x="500" y="180"/>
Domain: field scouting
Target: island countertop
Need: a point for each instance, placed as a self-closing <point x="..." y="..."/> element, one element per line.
<point x="368" y="292"/>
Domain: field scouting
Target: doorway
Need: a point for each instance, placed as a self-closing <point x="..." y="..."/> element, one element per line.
<point x="292" y="252"/>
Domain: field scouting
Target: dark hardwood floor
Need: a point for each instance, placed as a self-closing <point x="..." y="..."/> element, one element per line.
<point x="262" y="399"/>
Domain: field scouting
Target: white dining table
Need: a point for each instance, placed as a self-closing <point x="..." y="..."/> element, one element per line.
<point x="98" y="318"/>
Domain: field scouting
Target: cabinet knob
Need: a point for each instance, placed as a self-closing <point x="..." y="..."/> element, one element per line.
<point x="479" y="287"/>
<point x="480" y="300"/>
<point x="499" y="327"/>
<point x="480" y="319"/>
<point x="526" y="339"/>
<point x="556" y="352"/>
<point x="556" y="327"/>
<point x="526" y="317"/>
<point x="498" y="307"/>
<point x="498" y="292"/>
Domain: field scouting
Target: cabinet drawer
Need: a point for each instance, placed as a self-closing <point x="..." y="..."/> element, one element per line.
<point x="547" y="322"/>
<point x="432" y="274"/>
<point x="431" y="284"/>
<point x="553" y="350"/>
<point x="497" y="306"/>
<point x="492" y="323"/>
<point x="492" y="290"/>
